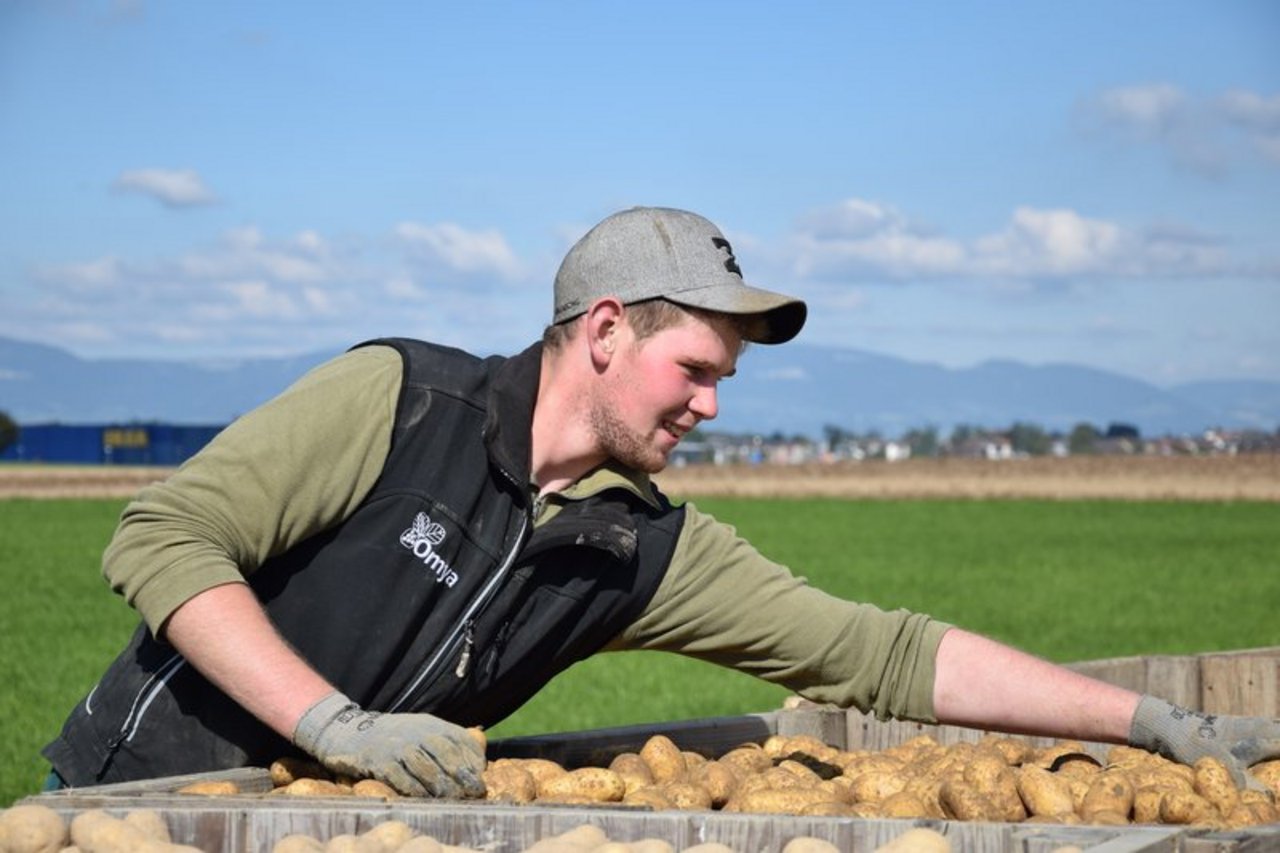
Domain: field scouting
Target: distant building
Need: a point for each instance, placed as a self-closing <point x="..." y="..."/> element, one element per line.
<point x="109" y="444"/>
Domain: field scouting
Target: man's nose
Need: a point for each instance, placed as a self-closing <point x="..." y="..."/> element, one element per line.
<point x="704" y="403"/>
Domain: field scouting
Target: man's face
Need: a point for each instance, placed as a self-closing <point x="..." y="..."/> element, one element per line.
<point x="656" y="390"/>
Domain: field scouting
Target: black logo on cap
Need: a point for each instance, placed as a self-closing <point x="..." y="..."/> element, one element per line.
<point x="731" y="263"/>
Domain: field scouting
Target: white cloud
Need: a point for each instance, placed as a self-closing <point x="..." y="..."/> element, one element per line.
<point x="451" y="248"/>
<point x="171" y="187"/>
<point x="251" y="292"/>
<point x="856" y="235"/>
<point x="1152" y="108"/>
<point x="1251" y="110"/>
<point x="1036" y="244"/>
<point x="1044" y="243"/>
<point x="1204" y="134"/>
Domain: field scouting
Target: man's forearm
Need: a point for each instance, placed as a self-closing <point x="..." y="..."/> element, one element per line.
<point x="983" y="684"/>
<point x="225" y="634"/>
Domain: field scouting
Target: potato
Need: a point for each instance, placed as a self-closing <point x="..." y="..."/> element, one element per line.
<point x="806" y="844"/>
<point x="777" y="800"/>
<point x="652" y="796"/>
<point x="95" y="831"/>
<point x="1181" y="807"/>
<point x="664" y="758"/>
<point x="390" y="834"/>
<point x="687" y="796"/>
<point x="930" y="793"/>
<point x="710" y="847"/>
<point x="1262" y="803"/>
<point x="795" y="768"/>
<point x="1013" y="751"/>
<point x="718" y="779"/>
<point x="542" y="770"/>
<point x="1268" y="773"/>
<point x="510" y="783"/>
<point x="32" y="829"/>
<point x="873" y="762"/>
<point x="1214" y="783"/>
<point x="632" y="768"/>
<point x="651" y="845"/>
<point x="962" y="801"/>
<point x="594" y="783"/>
<point x="375" y="789"/>
<point x="993" y="778"/>
<point x="904" y="804"/>
<point x="150" y="823"/>
<point x="829" y="809"/>
<point x="1105" y="817"/>
<point x="210" y="789"/>
<point x="747" y="760"/>
<point x="774" y="777"/>
<point x="315" y="788"/>
<point x="1043" y="793"/>
<point x="421" y="844"/>
<point x="348" y="843"/>
<point x="1243" y="815"/>
<point x="290" y="768"/>
<point x="918" y="840"/>
<point x="1110" y="791"/>
<point x="297" y="843"/>
<point x="1159" y="776"/>
<point x="568" y="800"/>
<point x="874" y="785"/>
<point x="585" y="835"/>
<point x="1146" y="802"/>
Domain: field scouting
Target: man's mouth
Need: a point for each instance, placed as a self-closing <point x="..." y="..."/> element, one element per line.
<point x="674" y="429"/>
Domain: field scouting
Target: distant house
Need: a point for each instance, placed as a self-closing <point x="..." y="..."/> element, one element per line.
<point x="984" y="447"/>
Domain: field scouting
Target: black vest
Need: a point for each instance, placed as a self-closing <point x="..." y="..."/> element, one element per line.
<point x="435" y="595"/>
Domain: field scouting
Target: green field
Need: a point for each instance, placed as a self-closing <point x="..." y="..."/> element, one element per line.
<point x="1066" y="580"/>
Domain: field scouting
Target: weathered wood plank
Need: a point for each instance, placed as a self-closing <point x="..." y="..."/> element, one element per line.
<point x="1241" y="683"/>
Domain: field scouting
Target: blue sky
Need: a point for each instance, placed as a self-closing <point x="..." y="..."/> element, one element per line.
<point x="1086" y="182"/>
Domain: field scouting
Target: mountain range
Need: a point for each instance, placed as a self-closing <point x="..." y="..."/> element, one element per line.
<point x="796" y="389"/>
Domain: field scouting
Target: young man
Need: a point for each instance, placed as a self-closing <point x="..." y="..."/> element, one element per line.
<point x="412" y="539"/>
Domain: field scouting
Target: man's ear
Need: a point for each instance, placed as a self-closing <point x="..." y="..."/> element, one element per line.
<point x="603" y="324"/>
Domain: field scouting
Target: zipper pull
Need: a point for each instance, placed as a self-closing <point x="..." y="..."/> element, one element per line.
<point x="464" y="660"/>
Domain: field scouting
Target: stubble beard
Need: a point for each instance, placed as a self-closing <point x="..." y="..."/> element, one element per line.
<point x="624" y="444"/>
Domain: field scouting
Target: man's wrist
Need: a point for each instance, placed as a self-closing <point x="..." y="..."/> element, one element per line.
<point x="313" y="722"/>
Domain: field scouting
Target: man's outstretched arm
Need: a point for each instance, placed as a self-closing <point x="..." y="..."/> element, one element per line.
<point x="984" y="684"/>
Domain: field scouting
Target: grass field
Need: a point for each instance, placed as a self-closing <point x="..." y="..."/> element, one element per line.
<point x="1070" y="580"/>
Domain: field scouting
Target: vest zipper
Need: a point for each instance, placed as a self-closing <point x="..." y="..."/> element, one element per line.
<point x="464" y="660"/>
<point x="462" y="631"/>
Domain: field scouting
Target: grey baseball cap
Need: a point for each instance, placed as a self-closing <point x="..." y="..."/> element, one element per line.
<point x="658" y="252"/>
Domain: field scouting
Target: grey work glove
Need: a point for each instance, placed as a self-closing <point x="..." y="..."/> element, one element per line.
<point x="1185" y="736"/>
<point x="417" y="754"/>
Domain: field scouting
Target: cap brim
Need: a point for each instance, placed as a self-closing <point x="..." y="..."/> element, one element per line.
<point x="780" y="317"/>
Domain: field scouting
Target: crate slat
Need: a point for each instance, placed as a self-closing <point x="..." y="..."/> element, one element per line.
<point x="1240" y="683"/>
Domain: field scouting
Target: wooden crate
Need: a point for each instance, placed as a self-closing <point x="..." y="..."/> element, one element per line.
<point x="249" y="823"/>
<point x="1231" y="682"/>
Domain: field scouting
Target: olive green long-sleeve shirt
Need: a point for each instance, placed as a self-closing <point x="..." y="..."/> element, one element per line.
<point x="302" y="463"/>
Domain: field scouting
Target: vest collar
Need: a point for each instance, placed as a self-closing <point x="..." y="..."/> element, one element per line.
<point x="508" y="428"/>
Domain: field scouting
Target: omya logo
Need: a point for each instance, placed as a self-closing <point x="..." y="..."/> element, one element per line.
<point x="421" y="538"/>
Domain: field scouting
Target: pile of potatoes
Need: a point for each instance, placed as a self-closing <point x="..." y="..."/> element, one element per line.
<point x="396" y="837"/>
<point x="998" y="779"/>
<point x="40" y="829"/>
